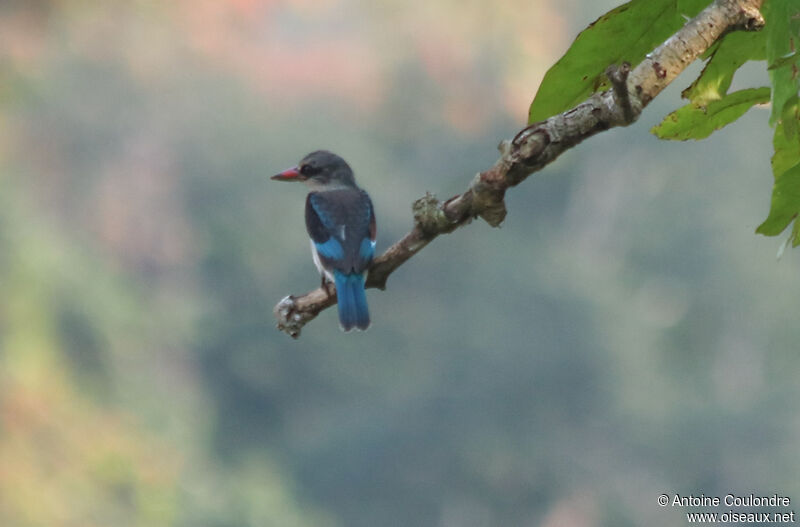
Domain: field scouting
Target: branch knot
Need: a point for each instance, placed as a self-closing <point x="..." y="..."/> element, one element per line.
<point x="751" y="18"/>
<point x="429" y="216"/>
<point x="618" y="75"/>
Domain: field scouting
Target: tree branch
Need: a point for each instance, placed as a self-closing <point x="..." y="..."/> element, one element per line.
<point x="539" y="144"/>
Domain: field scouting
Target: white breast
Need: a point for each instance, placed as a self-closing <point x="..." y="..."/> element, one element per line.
<point x="318" y="263"/>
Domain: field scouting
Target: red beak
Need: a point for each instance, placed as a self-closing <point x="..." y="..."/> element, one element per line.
<point x="292" y="174"/>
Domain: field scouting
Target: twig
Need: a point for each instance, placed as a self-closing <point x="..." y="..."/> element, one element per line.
<point x="619" y="81"/>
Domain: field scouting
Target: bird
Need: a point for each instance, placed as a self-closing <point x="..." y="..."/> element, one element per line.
<point x="340" y="221"/>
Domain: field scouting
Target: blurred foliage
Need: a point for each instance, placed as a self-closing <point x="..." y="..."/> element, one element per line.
<point x="65" y="457"/>
<point x="623" y="335"/>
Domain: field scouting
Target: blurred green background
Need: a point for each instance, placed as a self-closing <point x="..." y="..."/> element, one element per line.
<point x="625" y="334"/>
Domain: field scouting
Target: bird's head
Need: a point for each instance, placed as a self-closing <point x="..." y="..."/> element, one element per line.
<point x="320" y="170"/>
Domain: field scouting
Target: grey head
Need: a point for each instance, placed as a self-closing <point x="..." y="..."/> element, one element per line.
<point x="320" y="170"/>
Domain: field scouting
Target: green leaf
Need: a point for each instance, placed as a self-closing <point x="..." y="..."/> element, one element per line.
<point x="733" y="50"/>
<point x="786" y="60"/>
<point x="626" y="33"/>
<point x="786" y="141"/>
<point x="795" y="237"/>
<point x="785" y="204"/>
<point x="694" y="122"/>
<point x="790" y="117"/>
<point x="782" y="35"/>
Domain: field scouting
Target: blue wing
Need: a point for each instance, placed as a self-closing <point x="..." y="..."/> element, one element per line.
<point x="367" y="250"/>
<point x="330" y="250"/>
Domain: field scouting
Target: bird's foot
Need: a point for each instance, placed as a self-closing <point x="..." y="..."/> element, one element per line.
<point x="328" y="286"/>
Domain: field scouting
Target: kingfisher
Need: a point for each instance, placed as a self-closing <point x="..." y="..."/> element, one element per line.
<point x="340" y="221"/>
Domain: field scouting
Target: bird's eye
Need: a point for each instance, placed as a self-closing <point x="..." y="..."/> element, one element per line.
<point x="306" y="170"/>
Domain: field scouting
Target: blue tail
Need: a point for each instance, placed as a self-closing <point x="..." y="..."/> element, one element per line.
<point x="352" y="299"/>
